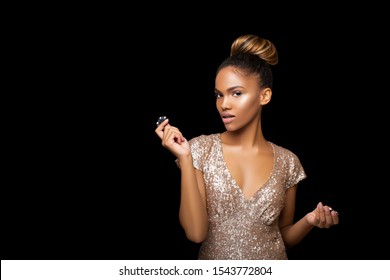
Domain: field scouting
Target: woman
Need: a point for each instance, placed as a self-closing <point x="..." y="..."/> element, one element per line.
<point x="238" y="189"/>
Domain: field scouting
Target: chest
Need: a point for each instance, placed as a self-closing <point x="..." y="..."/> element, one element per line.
<point x="250" y="171"/>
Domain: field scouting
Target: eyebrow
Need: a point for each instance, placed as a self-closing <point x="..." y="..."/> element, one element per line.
<point x="229" y="89"/>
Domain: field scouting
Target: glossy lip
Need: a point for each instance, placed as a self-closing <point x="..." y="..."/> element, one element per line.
<point x="227" y="118"/>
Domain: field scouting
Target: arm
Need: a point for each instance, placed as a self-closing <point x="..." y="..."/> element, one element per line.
<point x="322" y="217"/>
<point x="192" y="214"/>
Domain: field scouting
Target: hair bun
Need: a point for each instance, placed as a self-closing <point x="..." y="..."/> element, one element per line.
<point x="256" y="45"/>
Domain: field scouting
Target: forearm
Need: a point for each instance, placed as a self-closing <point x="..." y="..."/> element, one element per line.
<point x="192" y="213"/>
<point x="293" y="234"/>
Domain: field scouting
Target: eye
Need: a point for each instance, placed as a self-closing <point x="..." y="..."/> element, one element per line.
<point x="237" y="93"/>
<point x="217" y="95"/>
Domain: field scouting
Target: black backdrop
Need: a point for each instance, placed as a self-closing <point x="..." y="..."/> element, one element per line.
<point x="90" y="179"/>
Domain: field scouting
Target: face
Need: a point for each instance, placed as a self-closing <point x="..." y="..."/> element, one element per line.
<point x="239" y="98"/>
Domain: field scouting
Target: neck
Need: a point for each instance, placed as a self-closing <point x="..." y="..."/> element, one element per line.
<point x="248" y="137"/>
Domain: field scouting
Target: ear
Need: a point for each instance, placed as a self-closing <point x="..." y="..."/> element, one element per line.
<point x="265" y="96"/>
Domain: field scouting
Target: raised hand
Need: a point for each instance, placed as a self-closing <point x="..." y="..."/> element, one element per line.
<point x="172" y="139"/>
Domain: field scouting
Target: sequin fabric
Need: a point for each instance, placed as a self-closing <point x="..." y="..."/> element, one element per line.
<point x="242" y="228"/>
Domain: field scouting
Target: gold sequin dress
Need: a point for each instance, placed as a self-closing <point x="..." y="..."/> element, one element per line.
<point x="242" y="228"/>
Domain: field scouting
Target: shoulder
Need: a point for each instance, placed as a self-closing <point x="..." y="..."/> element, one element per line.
<point x="202" y="147"/>
<point x="204" y="140"/>
<point x="290" y="163"/>
<point x="204" y="144"/>
<point x="285" y="153"/>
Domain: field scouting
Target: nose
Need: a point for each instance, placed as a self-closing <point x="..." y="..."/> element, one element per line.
<point x="225" y="104"/>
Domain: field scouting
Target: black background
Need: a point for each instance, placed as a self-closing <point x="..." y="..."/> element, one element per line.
<point x="89" y="178"/>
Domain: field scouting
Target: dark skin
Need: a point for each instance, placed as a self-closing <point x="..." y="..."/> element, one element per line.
<point x="239" y="100"/>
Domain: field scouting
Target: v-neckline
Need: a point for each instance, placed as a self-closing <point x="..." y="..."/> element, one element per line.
<point x="247" y="199"/>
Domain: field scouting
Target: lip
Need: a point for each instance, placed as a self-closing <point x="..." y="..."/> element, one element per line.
<point x="227" y="119"/>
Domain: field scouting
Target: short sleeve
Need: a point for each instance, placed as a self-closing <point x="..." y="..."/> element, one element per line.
<point x="296" y="171"/>
<point x="199" y="145"/>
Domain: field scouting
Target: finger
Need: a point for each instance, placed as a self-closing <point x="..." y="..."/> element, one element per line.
<point x="160" y="128"/>
<point x="163" y="124"/>
<point x="159" y="133"/>
<point x="328" y="216"/>
<point x="172" y="135"/>
<point x="335" y="217"/>
<point x="321" y="215"/>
